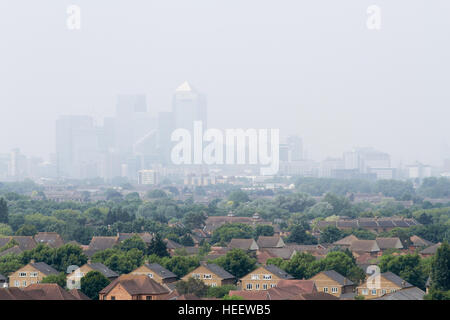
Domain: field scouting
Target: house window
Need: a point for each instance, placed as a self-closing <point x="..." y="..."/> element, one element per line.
<point x="255" y="277"/>
<point x="16" y="283"/>
<point x="249" y="286"/>
<point x="33" y="274"/>
<point x="325" y="289"/>
<point x="148" y="298"/>
<point x="195" y="276"/>
<point x="213" y="284"/>
<point x="207" y="276"/>
<point x="73" y="281"/>
<point x="334" y="290"/>
<point x="374" y="292"/>
<point x="24" y="283"/>
<point x="257" y="286"/>
<point x="265" y="286"/>
<point x="113" y="297"/>
<point x="150" y="275"/>
<point x="267" y="277"/>
<point x="273" y="285"/>
<point x="365" y="292"/>
<point x="22" y="274"/>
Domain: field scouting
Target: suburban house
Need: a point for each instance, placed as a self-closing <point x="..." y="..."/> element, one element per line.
<point x="74" y="279"/>
<point x="23" y="242"/>
<point x="267" y="253"/>
<point x="411" y="293"/>
<point x="41" y="291"/>
<point x="346" y="242"/>
<point x="52" y="239"/>
<point x="365" y="246"/>
<point x="3" y="281"/>
<point x="388" y="283"/>
<point x="100" y="244"/>
<point x="133" y="287"/>
<point x="285" y="290"/>
<point x="389" y="243"/>
<point x="32" y="273"/>
<point x="211" y="274"/>
<point x="156" y="272"/>
<point x="244" y="244"/>
<point x="263" y="278"/>
<point x="418" y="242"/>
<point x="430" y="251"/>
<point x="270" y="242"/>
<point x="334" y="283"/>
<point x="172" y="246"/>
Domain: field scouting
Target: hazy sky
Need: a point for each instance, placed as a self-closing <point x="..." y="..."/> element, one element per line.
<point x="306" y="67"/>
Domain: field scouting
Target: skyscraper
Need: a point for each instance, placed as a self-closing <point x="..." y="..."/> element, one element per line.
<point x="188" y="106"/>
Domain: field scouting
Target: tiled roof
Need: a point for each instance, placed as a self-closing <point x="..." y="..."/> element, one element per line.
<point x="100" y="244"/>
<point x="250" y="295"/>
<point x="396" y="279"/>
<point x="14" y="294"/>
<point x="364" y="246"/>
<point x="52" y="239"/>
<point x="48" y="291"/>
<point x="137" y="285"/>
<point x="278" y="272"/>
<point x="412" y="293"/>
<point x="219" y="271"/>
<point x="13" y="250"/>
<point x="244" y="244"/>
<point x="2" y="278"/>
<point x="339" y="278"/>
<point x="79" y="295"/>
<point x="389" y="243"/>
<point x="44" y="268"/>
<point x="100" y="267"/>
<point x="270" y="242"/>
<point x="346" y="241"/>
<point x="431" y="249"/>
<point x="420" y="242"/>
<point x="161" y="271"/>
<point x="25" y="242"/>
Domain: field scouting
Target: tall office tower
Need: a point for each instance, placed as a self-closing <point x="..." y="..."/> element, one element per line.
<point x="188" y="106"/>
<point x="166" y="125"/>
<point x="351" y="160"/>
<point x="295" y="144"/>
<point x="132" y="121"/>
<point x="17" y="165"/>
<point x="77" y="147"/>
<point x="284" y="152"/>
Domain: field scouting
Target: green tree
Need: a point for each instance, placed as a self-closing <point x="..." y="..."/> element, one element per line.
<point x="26" y="230"/>
<point x="194" y="219"/>
<point x="59" y="279"/>
<point x="156" y="194"/>
<point x="300" y="265"/>
<point x="158" y="246"/>
<point x="5" y="230"/>
<point x="192" y="286"/>
<point x="3" y="211"/>
<point x="331" y="234"/>
<point x="237" y="262"/>
<point x="298" y="234"/>
<point x="220" y="291"/>
<point x="264" y="230"/>
<point x="408" y="267"/>
<point x="181" y="265"/>
<point x="92" y="283"/>
<point x="228" y="231"/>
<point x="440" y="268"/>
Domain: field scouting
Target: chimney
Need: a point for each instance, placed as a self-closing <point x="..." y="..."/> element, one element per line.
<point x="89" y="261"/>
<point x="32" y="261"/>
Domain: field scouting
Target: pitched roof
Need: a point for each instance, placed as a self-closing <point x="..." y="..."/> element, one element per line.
<point x="25" y="242"/>
<point x="170" y="244"/>
<point x="270" y="242"/>
<point x="161" y="271"/>
<point x="250" y="295"/>
<point x="346" y="241"/>
<point x="100" y="267"/>
<point x="244" y="244"/>
<point x="4" y="241"/>
<point x="278" y="272"/>
<point x="318" y="296"/>
<point x="339" y="278"/>
<point x="304" y="286"/>
<point x="389" y="243"/>
<point x="48" y="291"/>
<point x="136" y="285"/>
<point x="52" y="239"/>
<point x="411" y="293"/>
<point x="219" y="271"/>
<point x="79" y="295"/>
<point x="13" y="250"/>
<point x="364" y="246"/>
<point x="44" y="268"/>
<point x="284" y="253"/>
<point x="100" y="244"/>
<point x="396" y="279"/>
<point x="420" y="242"/>
<point x="431" y="249"/>
<point x="13" y="293"/>
<point x="2" y="278"/>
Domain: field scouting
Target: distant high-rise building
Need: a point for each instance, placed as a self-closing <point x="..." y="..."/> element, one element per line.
<point x="76" y="145"/>
<point x="188" y="106"/>
<point x="148" y="177"/>
<point x="166" y="125"/>
<point x="17" y="165"/>
<point x="295" y="145"/>
<point x="419" y="171"/>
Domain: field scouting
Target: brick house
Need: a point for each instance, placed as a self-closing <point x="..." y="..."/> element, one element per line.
<point x="73" y="280"/>
<point x="32" y="273"/>
<point x="211" y="274"/>
<point x="52" y="239"/>
<point x="388" y="283"/>
<point x="134" y="287"/>
<point x="333" y="283"/>
<point x="263" y="278"/>
<point x="156" y="272"/>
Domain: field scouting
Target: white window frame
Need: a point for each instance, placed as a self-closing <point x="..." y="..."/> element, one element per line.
<point x="373" y="292"/>
<point x="365" y="292"/>
<point x="267" y="277"/>
<point x="334" y="290"/>
<point x="22" y="274"/>
<point x="325" y="289"/>
<point x="249" y="286"/>
<point x="255" y="277"/>
<point x="207" y="276"/>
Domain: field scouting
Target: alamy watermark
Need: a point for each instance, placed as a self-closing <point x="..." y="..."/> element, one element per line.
<point x="374" y="17"/>
<point x="213" y="147"/>
<point x="73" y="21"/>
